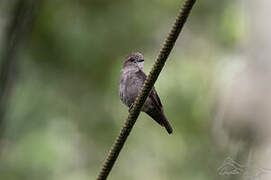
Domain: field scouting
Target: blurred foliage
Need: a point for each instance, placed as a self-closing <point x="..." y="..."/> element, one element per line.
<point x="65" y="111"/>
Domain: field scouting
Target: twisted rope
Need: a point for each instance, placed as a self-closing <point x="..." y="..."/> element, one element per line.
<point x="146" y="88"/>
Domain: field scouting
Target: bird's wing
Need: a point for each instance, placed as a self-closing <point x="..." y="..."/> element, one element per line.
<point x="153" y="95"/>
<point x="157" y="113"/>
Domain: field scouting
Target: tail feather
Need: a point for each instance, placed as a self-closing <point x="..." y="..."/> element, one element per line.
<point x="167" y="126"/>
<point x="161" y="119"/>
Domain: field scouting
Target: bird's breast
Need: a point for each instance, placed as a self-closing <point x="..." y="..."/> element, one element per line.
<point x="130" y="86"/>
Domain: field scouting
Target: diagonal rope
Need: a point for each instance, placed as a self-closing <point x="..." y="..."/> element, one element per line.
<point x="148" y="84"/>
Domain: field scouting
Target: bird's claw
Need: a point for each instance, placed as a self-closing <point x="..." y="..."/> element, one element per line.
<point x="131" y="107"/>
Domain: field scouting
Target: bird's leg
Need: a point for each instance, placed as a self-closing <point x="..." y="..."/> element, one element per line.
<point x="131" y="107"/>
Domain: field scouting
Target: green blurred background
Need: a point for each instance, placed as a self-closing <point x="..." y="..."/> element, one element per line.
<point x="64" y="111"/>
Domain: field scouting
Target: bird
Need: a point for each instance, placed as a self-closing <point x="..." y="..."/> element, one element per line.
<point x="131" y="81"/>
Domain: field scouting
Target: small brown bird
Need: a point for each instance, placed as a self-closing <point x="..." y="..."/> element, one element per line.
<point x="131" y="80"/>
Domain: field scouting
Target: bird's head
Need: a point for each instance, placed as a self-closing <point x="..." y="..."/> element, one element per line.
<point x="136" y="59"/>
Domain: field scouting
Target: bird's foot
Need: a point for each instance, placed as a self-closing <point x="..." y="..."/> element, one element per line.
<point x="131" y="107"/>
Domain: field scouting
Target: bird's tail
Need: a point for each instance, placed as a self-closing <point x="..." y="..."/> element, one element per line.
<point x="167" y="125"/>
<point x="161" y="119"/>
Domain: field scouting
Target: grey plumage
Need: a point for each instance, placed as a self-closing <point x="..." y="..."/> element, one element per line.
<point x="131" y="80"/>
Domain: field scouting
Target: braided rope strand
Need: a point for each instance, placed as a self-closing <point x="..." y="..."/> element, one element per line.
<point x="146" y="88"/>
